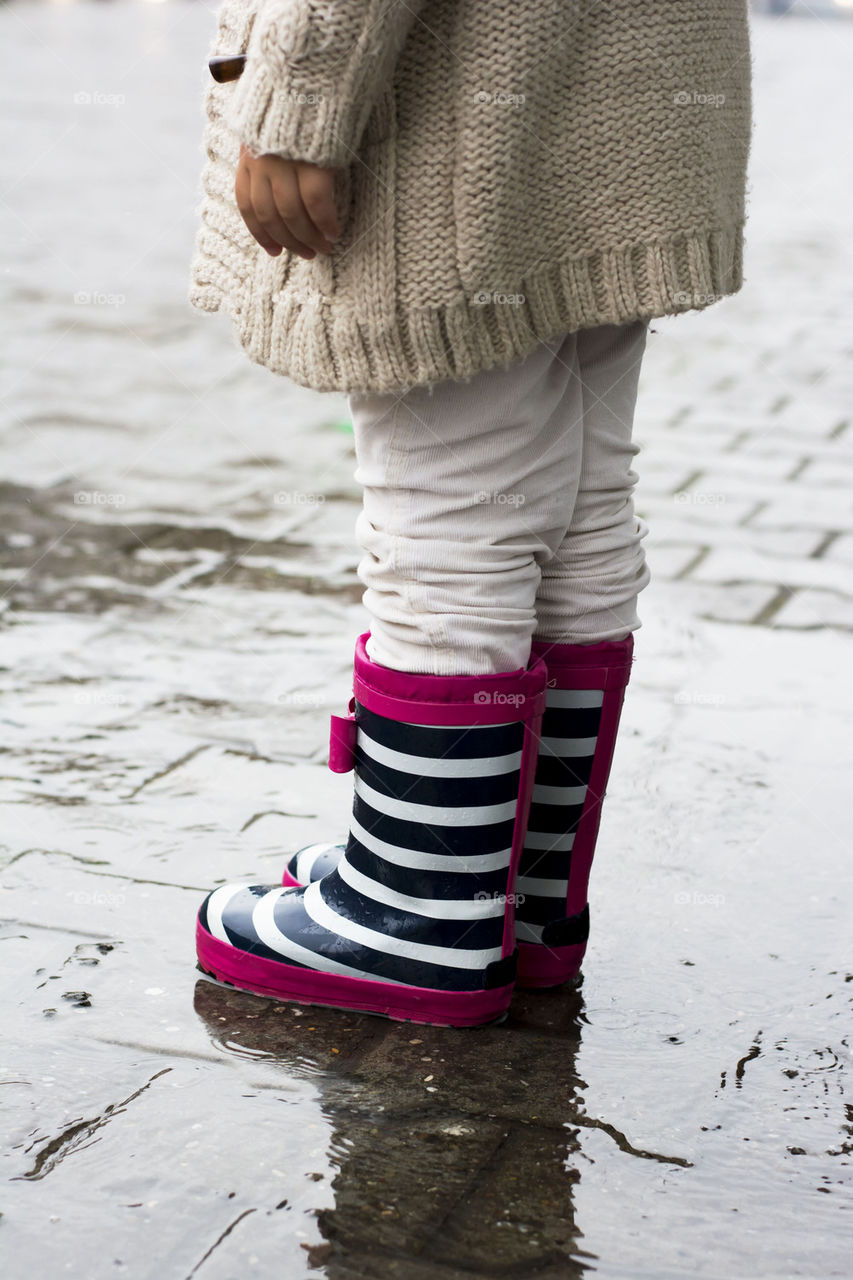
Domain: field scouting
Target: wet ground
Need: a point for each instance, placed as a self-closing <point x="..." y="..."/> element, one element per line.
<point x="180" y="600"/>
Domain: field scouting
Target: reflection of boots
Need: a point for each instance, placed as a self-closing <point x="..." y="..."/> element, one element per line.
<point x="586" y="686"/>
<point x="448" y="1158"/>
<point x="416" y="920"/>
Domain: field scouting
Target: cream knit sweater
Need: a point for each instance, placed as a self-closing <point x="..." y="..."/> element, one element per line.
<point x="509" y="170"/>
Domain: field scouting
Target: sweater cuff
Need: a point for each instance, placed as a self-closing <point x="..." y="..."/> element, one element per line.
<point x="314" y="71"/>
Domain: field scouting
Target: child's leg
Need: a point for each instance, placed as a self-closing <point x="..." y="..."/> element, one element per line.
<point x="587" y="613"/>
<point x="468" y="490"/>
<point x="589" y="588"/>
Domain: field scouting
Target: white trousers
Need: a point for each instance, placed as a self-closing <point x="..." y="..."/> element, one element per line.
<point x="500" y="508"/>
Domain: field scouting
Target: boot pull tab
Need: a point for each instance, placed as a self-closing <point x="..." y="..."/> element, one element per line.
<point x="342" y="740"/>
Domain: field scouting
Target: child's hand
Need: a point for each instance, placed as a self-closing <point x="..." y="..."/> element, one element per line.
<point x="287" y="204"/>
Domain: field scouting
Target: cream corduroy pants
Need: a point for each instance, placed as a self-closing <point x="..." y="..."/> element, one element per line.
<point x="500" y="508"/>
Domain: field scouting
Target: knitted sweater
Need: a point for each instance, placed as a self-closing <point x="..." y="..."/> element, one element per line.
<point x="508" y="171"/>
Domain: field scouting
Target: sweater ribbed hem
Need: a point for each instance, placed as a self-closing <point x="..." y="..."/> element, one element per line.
<point x="322" y="345"/>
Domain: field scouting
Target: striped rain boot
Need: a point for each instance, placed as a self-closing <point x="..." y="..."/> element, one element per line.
<point x="416" y="919"/>
<point x="586" y="687"/>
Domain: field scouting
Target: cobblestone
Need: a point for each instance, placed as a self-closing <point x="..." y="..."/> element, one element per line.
<point x="763" y="513"/>
<point x="813" y="610"/>
<point x="750" y="603"/>
<point x="803" y="508"/>
<point x="841" y="549"/>
<point x="770" y="543"/>
<point x="742" y="565"/>
<point x="830" y="472"/>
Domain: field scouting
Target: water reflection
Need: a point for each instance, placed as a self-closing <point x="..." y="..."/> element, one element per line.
<point x="457" y="1152"/>
<point x="453" y="1149"/>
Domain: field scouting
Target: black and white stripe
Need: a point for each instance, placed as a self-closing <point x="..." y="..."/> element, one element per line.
<point x="418" y="896"/>
<point x="570" y="729"/>
<point x="314" y="861"/>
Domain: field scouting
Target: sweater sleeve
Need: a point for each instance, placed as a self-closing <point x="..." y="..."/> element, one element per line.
<point x="314" y="71"/>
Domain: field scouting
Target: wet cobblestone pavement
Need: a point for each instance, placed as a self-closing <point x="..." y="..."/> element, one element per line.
<point x="179" y="604"/>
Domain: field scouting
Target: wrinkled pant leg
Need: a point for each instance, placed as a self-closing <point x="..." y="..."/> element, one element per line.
<point x="589" y="588"/>
<point x="468" y="490"/>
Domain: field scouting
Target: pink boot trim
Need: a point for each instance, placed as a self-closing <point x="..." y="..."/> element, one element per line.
<point x="542" y="966"/>
<point x="292" y="983"/>
<point x="448" y="700"/>
<point x="605" y="666"/>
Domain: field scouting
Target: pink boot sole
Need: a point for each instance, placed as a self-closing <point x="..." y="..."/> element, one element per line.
<point x="308" y="986"/>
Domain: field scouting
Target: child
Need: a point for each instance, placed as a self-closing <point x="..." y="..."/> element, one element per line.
<point x="464" y="214"/>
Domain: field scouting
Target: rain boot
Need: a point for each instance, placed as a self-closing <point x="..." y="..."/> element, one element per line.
<point x="416" y="920"/>
<point x="586" y="687"/>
